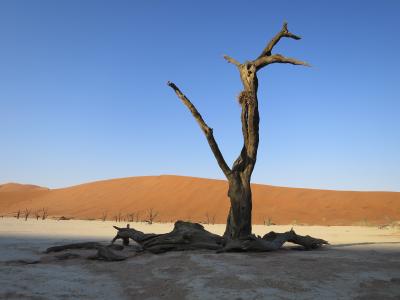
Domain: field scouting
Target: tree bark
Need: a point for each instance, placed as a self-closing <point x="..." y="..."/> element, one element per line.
<point x="238" y="223"/>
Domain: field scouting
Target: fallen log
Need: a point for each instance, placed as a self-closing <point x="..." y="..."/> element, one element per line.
<point x="104" y="252"/>
<point x="85" y="245"/>
<point x="307" y="241"/>
<point x="129" y="233"/>
<point x="272" y="241"/>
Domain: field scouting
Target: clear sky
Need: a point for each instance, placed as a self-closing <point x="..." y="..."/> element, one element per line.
<point x="83" y="92"/>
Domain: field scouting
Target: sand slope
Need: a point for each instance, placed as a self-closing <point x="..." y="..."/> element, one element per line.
<point x="189" y="198"/>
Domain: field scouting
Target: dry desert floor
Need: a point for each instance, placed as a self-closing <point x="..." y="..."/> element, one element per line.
<point x="360" y="263"/>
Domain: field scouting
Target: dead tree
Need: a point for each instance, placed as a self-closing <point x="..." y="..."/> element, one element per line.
<point x="44" y="213"/>
<point x="18" y="214"/>
<point x="37" y="214"/>
<point x="151" y="216"/>
<point x="238" y="234"/>
<point x="131" y="217"/>
<point x="210" y="219"/>
<point x="104" y="216"/>
<point x="27" y="212"/>
<point x="268" y="221"/>
<point x="137" y="216"/>
<point x="118" y="217"/>
<point x="239" y="175"/>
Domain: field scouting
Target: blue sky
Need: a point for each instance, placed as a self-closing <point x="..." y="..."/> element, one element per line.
<point x="83" y="92"/>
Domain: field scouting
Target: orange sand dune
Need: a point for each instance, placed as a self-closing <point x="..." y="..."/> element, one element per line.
<point x="188" y="198"/>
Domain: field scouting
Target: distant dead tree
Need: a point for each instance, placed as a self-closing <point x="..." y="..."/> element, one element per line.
<point x="210" y="219"/>
<point x="118" y="217"/>
<point x="104" y="216"/>
<point x="37" y="214"/>
<point x="131" y="217"/>
<point x="27" y="212"/>
<point x="44" y="213"/>
<point x="18" y="214"/>
<point x="151" y="216"/>
<point x="268" y="221"/>
<point x="137" y="216"/>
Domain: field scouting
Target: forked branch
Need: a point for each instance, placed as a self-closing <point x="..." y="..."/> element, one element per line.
<point x="204" y="127"/>
<point x="283" y="33"/>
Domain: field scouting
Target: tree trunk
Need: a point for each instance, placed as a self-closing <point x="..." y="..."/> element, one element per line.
<point x="238" y="224"/>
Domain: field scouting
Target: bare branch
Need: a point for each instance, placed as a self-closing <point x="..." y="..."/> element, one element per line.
<point x="277" y="58"/>
<point x="204" y="127"/>
<point x="283" y="33"/>
<point x="232" y="60"/>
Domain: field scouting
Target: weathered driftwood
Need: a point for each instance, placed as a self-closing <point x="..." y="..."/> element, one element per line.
<point x="272" y="241"/>
<point x="84" y="245"/>
<point x="188" y="236"/>
<point x="104" y="252"/>
<point x="307" y="241"/>
<point x="184" y="236"/>
<point x="192" y="236"/>
<point x="129" y="233"/>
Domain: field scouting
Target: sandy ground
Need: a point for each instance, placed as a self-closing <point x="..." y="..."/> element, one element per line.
<point x="360" y="263"/>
